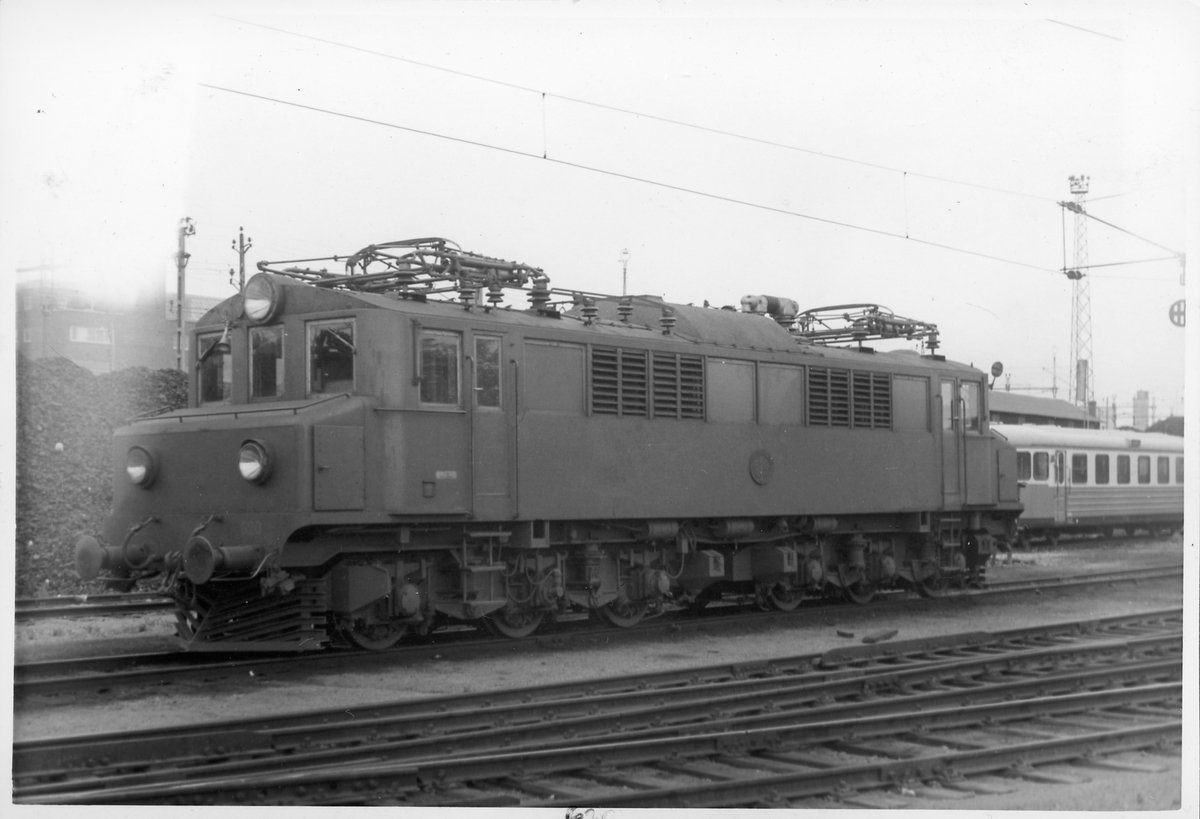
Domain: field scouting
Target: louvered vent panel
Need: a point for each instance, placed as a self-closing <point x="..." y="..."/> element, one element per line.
<point x="666" y="385"/>
<point x="881" y="401"/>
<point x="862" y="400"/>
<point x="691" y="387"/>
<point x="634" y="383"/>
<point x="818" y="396"/>
<point x="839" y="398"/>
<point x="605" y="382"/>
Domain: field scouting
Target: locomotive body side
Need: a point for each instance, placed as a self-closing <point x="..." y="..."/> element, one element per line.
<point x="1078" y="481"/>
<point x="355" y="466"/>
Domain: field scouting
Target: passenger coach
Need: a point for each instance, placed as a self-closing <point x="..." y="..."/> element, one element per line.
<point x="1096" y="481"/>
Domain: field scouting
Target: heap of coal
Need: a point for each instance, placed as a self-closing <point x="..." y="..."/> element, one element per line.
<point x="65" y="420"/>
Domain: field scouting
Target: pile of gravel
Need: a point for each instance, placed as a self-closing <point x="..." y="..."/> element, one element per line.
<point x="65" y="419"/>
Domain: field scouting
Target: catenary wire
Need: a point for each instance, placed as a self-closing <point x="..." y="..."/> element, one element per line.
<point x="618" y="109"/>
<point x="630" y="177"/>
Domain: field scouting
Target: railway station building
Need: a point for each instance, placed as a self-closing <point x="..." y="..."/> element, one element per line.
<point x="1010" y="408"/>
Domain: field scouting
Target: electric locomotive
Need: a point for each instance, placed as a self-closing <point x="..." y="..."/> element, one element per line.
<point x="389" y="449"/>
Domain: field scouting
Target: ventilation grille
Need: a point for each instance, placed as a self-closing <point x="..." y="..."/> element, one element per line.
<point x="872" y="400"/>
<point x="678" y="386"/>
<point x="828" y="397"/>
<point x="635" y="383"/>
<point x="619" y="382"/>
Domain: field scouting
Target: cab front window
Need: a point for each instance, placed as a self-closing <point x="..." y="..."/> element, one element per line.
<point x="216" y="371"/>
<point x="266" y="362"/>
<point x="331" y="357"/>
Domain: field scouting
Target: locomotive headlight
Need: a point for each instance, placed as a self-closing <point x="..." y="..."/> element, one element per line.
<point x="261" y="299"/>
<point x="141" y="467"/>
<point x="253" y="462"/>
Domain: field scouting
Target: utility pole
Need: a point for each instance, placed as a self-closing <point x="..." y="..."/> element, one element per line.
<point x="241" y="246"/>
<point x="624" y="270"/>
<point x="1081" y="387"/>
<point x="186" y="229"/>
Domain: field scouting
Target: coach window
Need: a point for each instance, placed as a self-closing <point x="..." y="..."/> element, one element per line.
<point x="216" y="371"/>
<point x="1024" y="466"/>
<point x="1179" y="470"/>
<point x="969" y="390"/>
<point x="1101" y="469"/>
<point x="1164" y="469"/>
<point x="1079" y="469"/>
<point x="331" y="357"/>
<point x="440" y="353"/>
<point x="487" y="371"/>
<point x="1041" y="466"/>
<point x="1143" y="469"/>
<point x="1122" y="469"/>
<point x="266" y="362"/>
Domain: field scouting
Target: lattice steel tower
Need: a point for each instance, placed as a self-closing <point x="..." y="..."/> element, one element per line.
<point x="1083" y="371"/>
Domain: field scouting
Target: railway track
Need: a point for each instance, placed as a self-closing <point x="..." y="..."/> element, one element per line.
<point x="866" y="717"/>
<point x="107" y="672"/>
<point x="95" y="605"/>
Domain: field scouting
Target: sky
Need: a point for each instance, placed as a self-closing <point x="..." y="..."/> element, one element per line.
<point x="912" y="155"/>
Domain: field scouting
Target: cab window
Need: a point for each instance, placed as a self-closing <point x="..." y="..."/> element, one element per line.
<point x="266" y="362"/>
<point x="1101" y="469"/>
<point x="969" y="390"/>
<point x="487" y="371"/>
<point x="440" y="354"/>
<point x="331" y="357"/>
<point x="1122" y="469"/>
<point x="216" y="371"/>
<point x="1024" y="466"/>
<point x="1079" y="469"/>
<point x="1041" y="466"/>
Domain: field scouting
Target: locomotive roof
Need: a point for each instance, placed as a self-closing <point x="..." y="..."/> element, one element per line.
<point x="720" y="327"/>
<point x="1046" y="435"/>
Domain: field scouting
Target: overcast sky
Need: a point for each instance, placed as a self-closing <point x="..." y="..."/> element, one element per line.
<point x="907" y="154"/>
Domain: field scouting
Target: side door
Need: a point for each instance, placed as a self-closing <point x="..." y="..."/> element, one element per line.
<point x="952" y="443"/>
<point x="491" y="380"/>
<point x="1062" y="486"/>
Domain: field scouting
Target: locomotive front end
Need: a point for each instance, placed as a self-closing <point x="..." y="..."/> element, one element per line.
<point x="205" y="499"/>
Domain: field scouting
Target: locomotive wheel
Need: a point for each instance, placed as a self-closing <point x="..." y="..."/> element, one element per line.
<point x="857" y="591"/>
<point x="931" y="584"/>
<point x="782" y="598"/>
<point x="374" y="636"/>
<point x="622" y="613"/>
<point x="513" y="624"/>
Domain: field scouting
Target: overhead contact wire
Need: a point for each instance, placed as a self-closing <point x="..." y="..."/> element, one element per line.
<point x="620" y="110"/>
<point x="629" y="177"/>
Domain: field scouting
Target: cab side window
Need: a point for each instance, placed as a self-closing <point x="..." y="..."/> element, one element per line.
<point x="331" y="357"/>
<point x="440" y="380"/>
<point x="487" y="371"/>
<point x="969" y="390"/>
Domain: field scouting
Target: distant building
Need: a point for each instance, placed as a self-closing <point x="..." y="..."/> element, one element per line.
<point x="1011" y="408"/>
<point x="58" y="320"/>
<point x="1141" y="410"/>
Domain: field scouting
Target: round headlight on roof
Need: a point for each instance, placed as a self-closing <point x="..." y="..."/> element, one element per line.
<point x="141" y="467"/>
<point x="254" y="463"/>
<point x="262" y="298"/>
